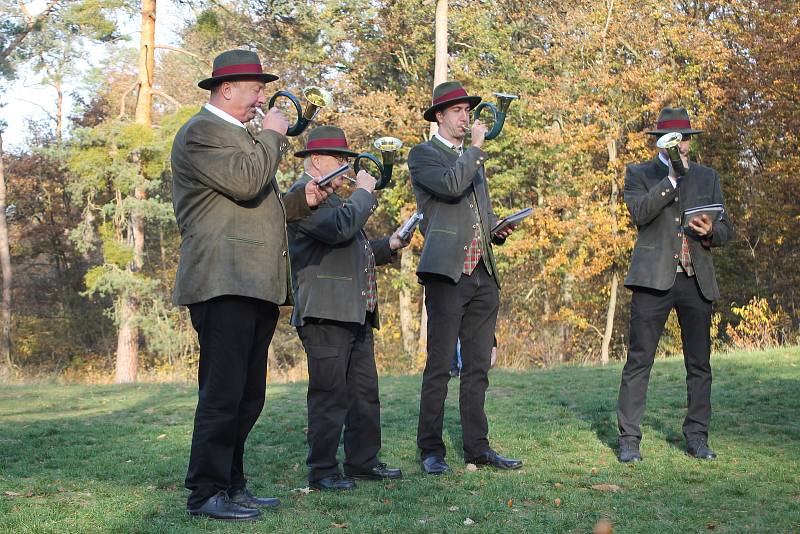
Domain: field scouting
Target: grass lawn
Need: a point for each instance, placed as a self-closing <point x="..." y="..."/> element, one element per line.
<point x="78" y="458"/>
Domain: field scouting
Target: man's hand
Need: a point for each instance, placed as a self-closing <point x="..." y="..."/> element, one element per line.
<point x="316" y="195"/>
<point x="478" y="134"/>
<point x="507" y="231"/>
<point x="275" y="120"/>
<point x="365" y="180"/>
<point x="702" y="225"/>
<point x="396" y="243"/>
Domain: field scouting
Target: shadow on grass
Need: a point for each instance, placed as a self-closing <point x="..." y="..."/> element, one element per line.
<point x="745" y="409"/>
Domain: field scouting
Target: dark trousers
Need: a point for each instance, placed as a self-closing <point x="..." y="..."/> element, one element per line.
<point x="234" y="334"/>
<point x="465" y="310"/>
<point x="342" y="394"/>
<point x="649" y="311"/>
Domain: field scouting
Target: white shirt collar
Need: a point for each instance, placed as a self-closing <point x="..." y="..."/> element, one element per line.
<point x="224" y="116"/>
<point x="447" y="143"/>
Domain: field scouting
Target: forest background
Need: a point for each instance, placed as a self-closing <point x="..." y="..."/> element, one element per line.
<point x="88" y="240"/>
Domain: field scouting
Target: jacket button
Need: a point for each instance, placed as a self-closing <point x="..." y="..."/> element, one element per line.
<point x="680" y="234"/>
<point x="675" y="256"/>
<point x="363" y="293"/>
<point x="366" y="269"/>
<point x="285" y="253"/>
<point x="677" y="219"/>
<point x="465" y="247"/>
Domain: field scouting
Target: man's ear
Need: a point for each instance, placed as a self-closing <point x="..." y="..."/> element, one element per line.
<point x="226" y="90"/>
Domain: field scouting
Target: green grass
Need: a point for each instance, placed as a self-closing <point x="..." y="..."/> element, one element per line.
<point x="78" y="458"/>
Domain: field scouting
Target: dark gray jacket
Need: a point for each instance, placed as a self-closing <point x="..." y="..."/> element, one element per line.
<point x="230" y="212"/>
<point x="656" y="209"/>
<point x="329" y="257"/>
<point x="443" y="183"/>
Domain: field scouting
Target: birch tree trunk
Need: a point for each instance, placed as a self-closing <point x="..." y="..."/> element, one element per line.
<point x="612" y="300"/>
<point x="5" y="264"/>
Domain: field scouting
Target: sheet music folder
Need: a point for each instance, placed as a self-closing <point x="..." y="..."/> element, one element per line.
<point x="514" y="218"/>
<point x="712" y="210"/>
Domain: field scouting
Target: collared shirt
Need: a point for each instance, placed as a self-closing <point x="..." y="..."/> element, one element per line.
<point x="224" y="116"/>
<point x="448" y="144"/>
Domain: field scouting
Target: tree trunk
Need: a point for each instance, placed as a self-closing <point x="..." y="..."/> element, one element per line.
<point x="440" y="58"/>
<point x="439" y="76"/>
<point x="406" y="300"/>
<point x="422" y="346"/>
<point x="611" y="144"/>
<point x="128" y="340"/>
<point x="59" y="109"/>
<point x="5" y="264"/>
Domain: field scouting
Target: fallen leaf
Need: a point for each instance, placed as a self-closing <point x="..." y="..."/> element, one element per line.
<point x="304" y="491"/>
<point x="711" y="526"/>
<point x="390" y="485"/>
<point x="161" y="436"/>
<point x="295" y="467"/>
<point x="29" y="494"/>
<point x="594" y="471"/>
<point x="469" y="521"/>
<point x="510" y="503"/>
<point x="603" y="527"/>
<point x="339" y="525"/>
<point x="385" y="501"/>
<point x="558" y="485"/>
<point x="453" y="509"/>
<point x="557" y="502"/>
<point x="472" y="467"/>
<point x="12" y="494"/>
<point x="606" y="487"/>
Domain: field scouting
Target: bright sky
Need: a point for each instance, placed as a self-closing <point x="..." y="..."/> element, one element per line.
<point x="27" y="99"/>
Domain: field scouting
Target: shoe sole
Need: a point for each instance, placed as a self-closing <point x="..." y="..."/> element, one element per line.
<point x="319" y="488"/>
<point x="200" y="514"/>
<point x="373" y="477"/>
<point x="501" y="468"/>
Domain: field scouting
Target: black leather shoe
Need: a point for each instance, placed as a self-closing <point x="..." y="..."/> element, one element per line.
<point x="333" y="482"/>
<point x="493" y="459"/>
<point x="629" y="452"/>
<point x="435" y="465"/>
<point x="220" y="507"/>
<point x="700" y="449"/>
<point x="243" y="497"/>
<point x="379" y="472"/>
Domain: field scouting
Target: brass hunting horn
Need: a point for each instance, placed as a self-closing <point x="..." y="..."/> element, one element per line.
<point x="388" y="146"/>
<point x="317" y="97"/>
<point x="670" y="143"/>
<point x="499" y="111"/>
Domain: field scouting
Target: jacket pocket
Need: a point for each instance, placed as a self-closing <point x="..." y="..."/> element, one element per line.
<point x="334" y="277"/>
<point x="245" y="240"/>
<point x="323" y="363"/>
<point x="442" y="230"/>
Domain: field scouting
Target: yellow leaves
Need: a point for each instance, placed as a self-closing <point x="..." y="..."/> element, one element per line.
<point x="759" y="327"/>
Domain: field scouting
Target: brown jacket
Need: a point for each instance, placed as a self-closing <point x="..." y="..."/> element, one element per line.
<point x="230" y="212"/>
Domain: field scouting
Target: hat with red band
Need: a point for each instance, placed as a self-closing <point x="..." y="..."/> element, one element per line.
<point x="673" y="120"/>
<point x="447" y="94"/>
<point x="326" y="140"/>
<point x="236" y="65"/>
